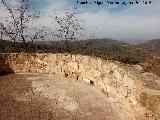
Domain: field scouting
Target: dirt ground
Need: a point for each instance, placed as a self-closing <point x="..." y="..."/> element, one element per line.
<point x="52" y="97"/>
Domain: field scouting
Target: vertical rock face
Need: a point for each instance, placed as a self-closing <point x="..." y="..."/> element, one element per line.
<point x="125" y="88"/>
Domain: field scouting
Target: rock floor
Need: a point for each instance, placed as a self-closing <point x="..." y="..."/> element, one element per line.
<point x="52" y="97"/>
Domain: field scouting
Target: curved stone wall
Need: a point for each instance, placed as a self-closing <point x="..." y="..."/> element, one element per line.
<point x="133" y="91"/>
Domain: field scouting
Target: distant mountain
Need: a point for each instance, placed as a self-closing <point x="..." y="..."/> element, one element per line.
<point x="134" y="42"/>
<point x="106" y="48"/>
<point x="104" y="41"/>
<point x="151" y="47"/>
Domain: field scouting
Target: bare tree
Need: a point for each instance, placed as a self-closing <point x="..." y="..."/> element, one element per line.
<point x="19" y="26"/>
<point x="69" y="27"/>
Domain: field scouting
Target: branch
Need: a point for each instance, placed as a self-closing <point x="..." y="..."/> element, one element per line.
<point x="11" y="12"/>
<point x="8" y="33"/>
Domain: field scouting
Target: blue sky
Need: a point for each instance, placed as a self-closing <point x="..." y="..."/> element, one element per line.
<point x="131" y="22"/>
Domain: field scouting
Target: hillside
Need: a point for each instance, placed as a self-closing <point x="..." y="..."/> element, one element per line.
<point x="129" y="87"/>
<point x="151" y="47"/>
<point x="104" y="48"/>
<point x="109" y="49"/>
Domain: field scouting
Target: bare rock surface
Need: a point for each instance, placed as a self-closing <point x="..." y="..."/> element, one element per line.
<point x="52" y="97"/>
<point x="133" y="93"/>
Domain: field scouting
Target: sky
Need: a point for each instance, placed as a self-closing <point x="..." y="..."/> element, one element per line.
<point x="120" y="22"/>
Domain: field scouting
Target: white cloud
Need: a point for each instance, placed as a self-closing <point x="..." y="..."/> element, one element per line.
<point x="136" y="22"/>
<point x="124" y="26"/>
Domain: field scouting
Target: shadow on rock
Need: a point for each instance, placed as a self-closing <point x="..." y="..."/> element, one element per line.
<point x="5" y="69"/>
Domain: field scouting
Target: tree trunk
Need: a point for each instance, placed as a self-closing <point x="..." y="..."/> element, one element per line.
<point x="67" y="46"/>
<point x="25" y="43"/>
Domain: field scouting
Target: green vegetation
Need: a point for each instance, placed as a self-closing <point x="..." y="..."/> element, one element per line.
<point x="106" y="49"/>
<point x="103" y="48"/>
<point x="152" y="64"/>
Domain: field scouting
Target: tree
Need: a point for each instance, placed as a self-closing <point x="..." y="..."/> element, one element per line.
<point x="19" y="26"/>
<point x="70" y="27"/>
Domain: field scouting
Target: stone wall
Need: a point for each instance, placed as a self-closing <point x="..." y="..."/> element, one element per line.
<point x="125" y="85"/>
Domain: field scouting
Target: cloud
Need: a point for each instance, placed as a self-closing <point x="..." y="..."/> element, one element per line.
<point x="123" y="26"/>
<point x="136" y="22"/>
